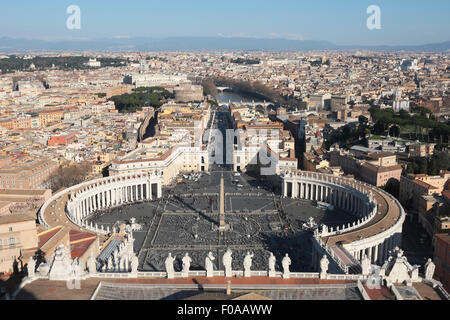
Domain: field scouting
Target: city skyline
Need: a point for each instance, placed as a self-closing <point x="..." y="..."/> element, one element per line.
<point x="343" y="23"/>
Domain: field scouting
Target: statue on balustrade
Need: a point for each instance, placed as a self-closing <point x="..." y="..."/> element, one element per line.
<point x="324" y="265"/>
<point x="134" y="264"/>
<point x="30" y="267"/>
<point x="91" y="264"/>
<point x="248" y="264"/>
<point x="169" y="266"/>
<point x="226" y="260"/>
<point x="209" y="265"/>
<point x="286" y="262"/>
<point x="186" y="264"/>
<point x="272" y="262"/>
<point x="429" y="269"/>
<point x="365" y="265"/>
<point x="109" y="264"/>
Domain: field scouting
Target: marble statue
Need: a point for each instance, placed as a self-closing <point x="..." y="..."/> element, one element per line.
<point x="226" y="260"/>
<point x="365" y="265"/>
<point x="67" y="256"/>
<point x="429" y="269"/>
<point x="248" y="264"/>
<point x="169" y="266"/>
<point x="209" y="265"/>
<point x="286" y="262"/>
<point x="109" y="264"/>
<point x="43" y="269"/>
<point x="122" y="265"/>
<point x="127" y="263"/>
<point x="76" y="268"/>
<point x="116" y="256"/>
<point x="91" y="264"/>
<point x="30" y="267"/>
<point x="397" y="268"/>
<point x="134" y="264"/>
<point x="186" y="265"/>
<point x="272" y="262"/>
<point x="60" y="268"/>
<point x="415" y="273"/>
<point x="324" y="266"/>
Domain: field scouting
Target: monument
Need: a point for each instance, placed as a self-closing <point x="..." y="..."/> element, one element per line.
<point x="222" y="226"/>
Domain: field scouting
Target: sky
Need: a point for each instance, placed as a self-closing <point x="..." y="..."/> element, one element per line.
<point x="342" y="22"/>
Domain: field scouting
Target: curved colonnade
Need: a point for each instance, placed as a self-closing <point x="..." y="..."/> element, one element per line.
<point x="105" y="193"/>
<point x="378" y="215"/>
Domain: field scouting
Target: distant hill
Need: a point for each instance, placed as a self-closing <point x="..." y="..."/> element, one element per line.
<point x="198" y="43"/>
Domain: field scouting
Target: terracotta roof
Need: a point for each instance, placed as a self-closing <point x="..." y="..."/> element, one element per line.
<point x="424" y="184"/>
<point x="43" y="237"/>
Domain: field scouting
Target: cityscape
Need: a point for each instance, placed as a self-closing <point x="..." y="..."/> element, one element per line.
<point x="251" y="166"/>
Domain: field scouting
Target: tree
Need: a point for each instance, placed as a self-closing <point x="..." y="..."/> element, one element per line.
<point x="209" y="88"/>
<point x="68" y="176"/>
<point x="132" y="102"/>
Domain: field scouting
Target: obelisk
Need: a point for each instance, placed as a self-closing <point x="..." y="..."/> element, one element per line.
<point x="222" y="205"/>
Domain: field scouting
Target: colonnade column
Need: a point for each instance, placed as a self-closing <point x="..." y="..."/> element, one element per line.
<point x="294" y="189"/>
<point x="375" y="258"/>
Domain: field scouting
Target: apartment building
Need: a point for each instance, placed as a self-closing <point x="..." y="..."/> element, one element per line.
<point x="415" y="185"/>
<point x="254" y="134"/>
<point x="47" y="117"/>
<point x="442" y="259"/>
<point x="17" y="234"/>
<point x="61" y="139"/>
<point x="175" y="147"/>
<point x="372" y="166"/>
<point x="26" y="175"/>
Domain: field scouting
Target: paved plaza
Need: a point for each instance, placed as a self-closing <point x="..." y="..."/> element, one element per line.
<point x="185" y="220"/>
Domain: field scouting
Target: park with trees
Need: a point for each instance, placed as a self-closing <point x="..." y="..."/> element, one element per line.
<point x="141" y="97"/>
